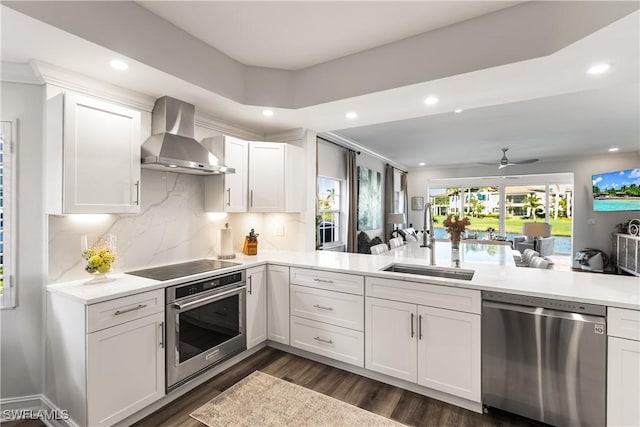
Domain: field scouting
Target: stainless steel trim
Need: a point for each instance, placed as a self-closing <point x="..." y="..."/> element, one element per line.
<point x="322" y="340"/>
<point x="323" y="308"/>
<point x="420" y="327"/>
<point x="206" y="300"/>
<point x="412" y="332"/>
<point x="553" y="304"/>
<point x="317" y="279"/>
<point x="538" y="311"/>
<point x="129" y="310"/>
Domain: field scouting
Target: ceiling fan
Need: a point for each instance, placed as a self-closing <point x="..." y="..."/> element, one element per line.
<point x="504" y="161"/>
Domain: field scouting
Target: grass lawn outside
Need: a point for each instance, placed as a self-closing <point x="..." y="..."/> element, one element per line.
<point x="559" y="227"/>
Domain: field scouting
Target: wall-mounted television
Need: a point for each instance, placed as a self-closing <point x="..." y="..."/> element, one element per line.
<point x="616" y="191"/>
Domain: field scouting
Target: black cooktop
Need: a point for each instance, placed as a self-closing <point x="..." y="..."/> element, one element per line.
<point x="173" y="271"/>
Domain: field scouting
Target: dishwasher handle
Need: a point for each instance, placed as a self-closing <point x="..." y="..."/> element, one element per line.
<point x="546" y="312"/>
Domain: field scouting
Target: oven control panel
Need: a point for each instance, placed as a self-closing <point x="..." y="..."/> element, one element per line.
<point x="193" y="288"/>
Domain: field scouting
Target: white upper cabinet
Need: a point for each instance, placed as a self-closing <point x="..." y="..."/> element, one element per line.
<point x="274" y="171"/>
<point x="93" y="156"/>
<point x="228" y="192"/>
<point x="267" y="177"/>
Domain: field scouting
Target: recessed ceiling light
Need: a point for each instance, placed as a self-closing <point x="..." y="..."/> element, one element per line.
<point x="118" y="65"/>
<point x="267" y="113"/>
<point x="431" y="100"/>
<point x="421" y="164"/>
<point x="351" y="115"/>
<point x="612" y="149"/>
<point x="458" y="110"/>
<point x="599" y="68"/>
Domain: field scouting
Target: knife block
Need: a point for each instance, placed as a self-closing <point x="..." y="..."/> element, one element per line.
<point x="250" y="247"/>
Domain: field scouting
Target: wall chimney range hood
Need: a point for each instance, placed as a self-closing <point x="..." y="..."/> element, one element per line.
<point x="172" y="145"/>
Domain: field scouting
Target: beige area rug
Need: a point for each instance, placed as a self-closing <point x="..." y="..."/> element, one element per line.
<point x="263" y="400"/>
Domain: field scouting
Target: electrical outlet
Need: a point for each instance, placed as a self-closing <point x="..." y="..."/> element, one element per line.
<point x="280" y="230"/>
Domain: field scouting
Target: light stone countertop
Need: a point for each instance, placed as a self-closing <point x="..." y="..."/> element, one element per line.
<point x="493" y="272"/>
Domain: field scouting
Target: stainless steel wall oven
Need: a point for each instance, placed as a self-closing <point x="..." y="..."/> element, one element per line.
<point x="205" y="325"/>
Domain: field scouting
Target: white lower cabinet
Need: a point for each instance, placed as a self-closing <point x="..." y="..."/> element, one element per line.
<point x="256" y="306"/>
<point x="278" y="304"/>
<point x="449" y="351"/>
<point x="433" y="347"/>
<point x="328" y="340"/>
<point x="105" y="361"/>
<point x="125" y="369"/>
<point x="623" y="367"/>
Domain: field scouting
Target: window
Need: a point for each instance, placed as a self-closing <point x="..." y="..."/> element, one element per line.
<point x="329" y="212"/>
<point x="7" y="290"/>
<point x="501" y="210"/>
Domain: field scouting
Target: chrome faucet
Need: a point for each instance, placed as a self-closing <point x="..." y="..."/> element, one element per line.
<point x="427" y="234"/>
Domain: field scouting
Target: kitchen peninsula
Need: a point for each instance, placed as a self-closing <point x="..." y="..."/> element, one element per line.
<point x="323" y="306"/>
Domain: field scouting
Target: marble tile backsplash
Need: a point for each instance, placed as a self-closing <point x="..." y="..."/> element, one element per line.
<point x="171" y="227"/>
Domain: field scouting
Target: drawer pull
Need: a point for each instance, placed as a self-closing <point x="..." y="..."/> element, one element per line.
<point x="317" y="279"/>
<point x="324" y="341"/>
<point x="412" y="332"/>
<point x="128" y="310"/>
<point x="323" y="308"/>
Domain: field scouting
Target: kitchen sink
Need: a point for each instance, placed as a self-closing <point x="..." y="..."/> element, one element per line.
<point x="421" y="270"/>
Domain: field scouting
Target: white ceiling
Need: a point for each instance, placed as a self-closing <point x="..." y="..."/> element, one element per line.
<point x="296" y="35"/>
<point x="545" y="107"/>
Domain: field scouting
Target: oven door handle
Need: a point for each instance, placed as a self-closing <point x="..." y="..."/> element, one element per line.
<point x="208" y="299"/>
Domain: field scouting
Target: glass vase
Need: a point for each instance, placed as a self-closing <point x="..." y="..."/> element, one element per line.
<point x="99" y="257"/>
<point x="455" y="240"/>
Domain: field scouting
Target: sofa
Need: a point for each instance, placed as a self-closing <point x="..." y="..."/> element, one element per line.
<point x="544" y="245"/>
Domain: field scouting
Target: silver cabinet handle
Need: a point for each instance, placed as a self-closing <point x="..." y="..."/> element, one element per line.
<point x="128" y="310"/>
<point x="229" y="196"/>
<point x="420" y="327"/>
<point x="412" y="333"/>
<point x="250" y="286"/>
<point x="161" y="334"/>
<point x="137" y="193"/>
<point x="316" y="279"/>
<point x="323" y="308"/>
<point x="324" y="341"/>
<point x="251" y="198"/>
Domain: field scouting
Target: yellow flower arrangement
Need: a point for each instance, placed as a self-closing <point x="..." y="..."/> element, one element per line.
<point x="100" y="258"/>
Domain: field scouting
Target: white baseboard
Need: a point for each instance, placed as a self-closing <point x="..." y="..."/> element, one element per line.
<point x="35" y="406"/>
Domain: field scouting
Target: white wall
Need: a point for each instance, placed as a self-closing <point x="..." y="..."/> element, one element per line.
<point x="590" y="229"/>
<point x="22" y="328"/>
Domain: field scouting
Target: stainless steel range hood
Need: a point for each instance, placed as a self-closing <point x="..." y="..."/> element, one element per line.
<point x="172" y="145"/>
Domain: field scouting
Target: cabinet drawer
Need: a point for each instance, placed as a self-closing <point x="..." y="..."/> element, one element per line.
<point x="336" y="308"/>
<point x="331" y="281"/>
<point x="623" y="323"/>
<point x="446" y="297"/>
<point x="115" y="312"/>
<point x="331" y="341"/>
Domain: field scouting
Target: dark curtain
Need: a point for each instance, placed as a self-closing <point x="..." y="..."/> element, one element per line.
<point x="388" y="200"/>
<point x="352" y="200"/>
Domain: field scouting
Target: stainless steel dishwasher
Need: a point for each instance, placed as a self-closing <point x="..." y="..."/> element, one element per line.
<point x="544" y="359"/>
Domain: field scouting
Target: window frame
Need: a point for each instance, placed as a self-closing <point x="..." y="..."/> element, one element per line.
<point x="8" y="299"/>
<point x="338" y="226"/>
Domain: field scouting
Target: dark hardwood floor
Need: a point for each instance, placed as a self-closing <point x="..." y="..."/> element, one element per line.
<point x="400" y="405"/>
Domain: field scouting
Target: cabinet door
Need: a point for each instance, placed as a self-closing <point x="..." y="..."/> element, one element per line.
<point x="101" y="157"/>
<point x="256" y="306"/>
<point x="449" y="351"/>
<point x="623" y="382"/>
<point x="125" y="369"/>
<point x="390" y="338"/>
<point x="266" y="177"/>
<point x="278" y="303"/>
<point x="236" y="152"/>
